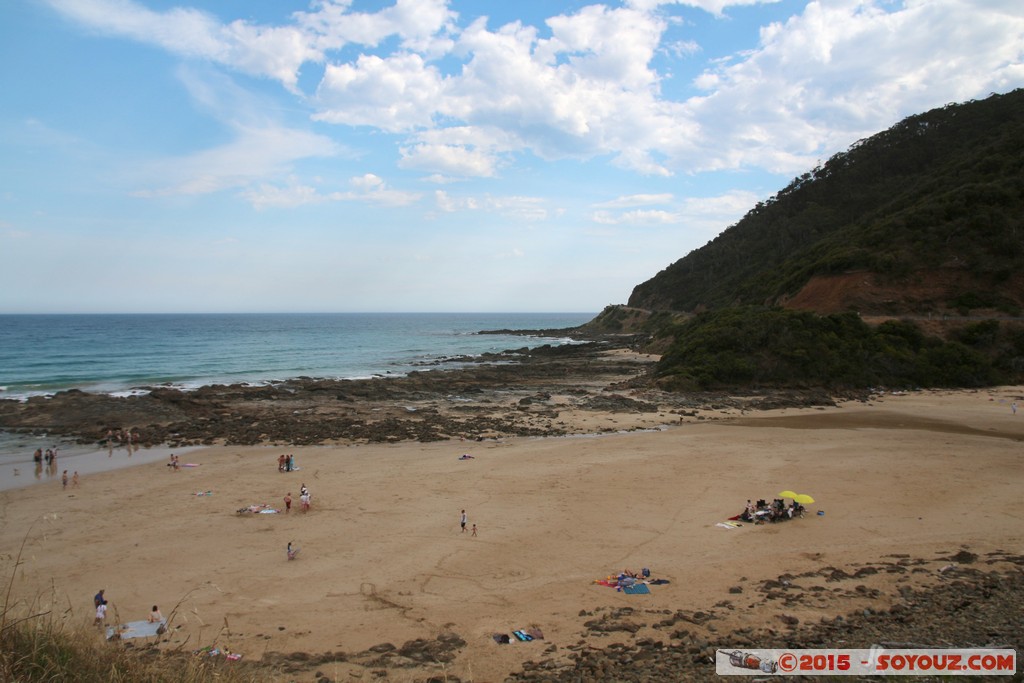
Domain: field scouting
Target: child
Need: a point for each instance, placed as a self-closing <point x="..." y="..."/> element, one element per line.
<point x="474" y="529"/>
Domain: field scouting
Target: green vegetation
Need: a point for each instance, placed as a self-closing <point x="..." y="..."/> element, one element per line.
<point x="752" y="347"/>
<point x="930" y="212"/>
<point x="940" y="190"/>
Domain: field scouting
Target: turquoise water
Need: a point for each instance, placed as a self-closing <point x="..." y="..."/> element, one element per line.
<point x="125" y="354"/>
<point x="43" y="354"/>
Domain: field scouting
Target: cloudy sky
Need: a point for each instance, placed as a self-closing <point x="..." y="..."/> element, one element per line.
<point x="434" y="155"/>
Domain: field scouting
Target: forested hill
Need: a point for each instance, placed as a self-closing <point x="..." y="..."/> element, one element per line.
<point x="926" y="217"/>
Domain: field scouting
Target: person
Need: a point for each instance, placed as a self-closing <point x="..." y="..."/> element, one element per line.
<point x="280" y="463"/>
<point x="292" y="552"/>
<point x="98" y="599"/>
<point x="64" y="479"/>
<point x="462" y="521"/>
<point x="474" y="529"/>
<point x="74" y="480"/>
<point x="155" y="616"/>
<point x="304" y="500"/>
<point x="1013" y="407"/>
<point x="291" y="462"/>
<point x="288" y="502"/>
<point x="101" y="613"/>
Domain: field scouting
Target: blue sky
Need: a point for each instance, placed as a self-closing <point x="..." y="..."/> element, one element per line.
<point x="432" y="155"/>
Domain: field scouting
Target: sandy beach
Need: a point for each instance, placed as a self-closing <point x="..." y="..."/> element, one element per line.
<point x="918" y="476"/>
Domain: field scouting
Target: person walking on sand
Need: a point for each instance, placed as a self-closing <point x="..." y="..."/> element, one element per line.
<point x="74" y="480"/>
<point x="1013" y="407"/>
<point x="101" y="613"/>
<point x="64" y="480"/>
<point x="288" y="502"/>
<point x="462" y="521"/>
<point x="474" y="529"/>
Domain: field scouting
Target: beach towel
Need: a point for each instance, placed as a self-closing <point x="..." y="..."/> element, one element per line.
<point x="522" y="636"/>
<point x="725" y="526"/>
<point x="636" y="589"/>
<point x="135" y="629"/>
<point x="191" y="464"/>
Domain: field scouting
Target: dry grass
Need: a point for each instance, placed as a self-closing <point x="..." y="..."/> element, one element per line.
<point x="40" y="641"/>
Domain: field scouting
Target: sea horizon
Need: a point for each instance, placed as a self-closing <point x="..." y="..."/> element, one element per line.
<point x="129" y="353"/>
<point x="125" y="354"/>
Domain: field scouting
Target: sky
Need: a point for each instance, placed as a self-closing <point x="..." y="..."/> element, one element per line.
<point x="434" y="155"/>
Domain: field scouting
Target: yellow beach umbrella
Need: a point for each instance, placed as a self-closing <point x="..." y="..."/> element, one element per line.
<point x="788" y="494"/>
<point x="803" y="499"/>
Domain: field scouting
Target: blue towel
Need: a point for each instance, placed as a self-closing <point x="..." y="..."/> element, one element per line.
<point x="636" y="589"/>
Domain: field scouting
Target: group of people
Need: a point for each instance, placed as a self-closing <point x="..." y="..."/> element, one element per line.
<point x="762" y="512"/>
<point x="463" y="519"/>
<point x="174" y="464"/>
<point x="122" y="436"/>
<point x="50" y="456"/>
<point x="100" y="603"/>
<point x="64" y="479"/>
<point x="305" y="500"/>
<point x="285" y="463"/>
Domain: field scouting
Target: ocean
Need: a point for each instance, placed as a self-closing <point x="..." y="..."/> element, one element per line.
<point x="122" y="354"/>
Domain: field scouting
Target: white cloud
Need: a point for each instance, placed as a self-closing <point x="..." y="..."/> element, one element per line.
<point x="253" y="155"/>
<point x="528" y="209"/>
<point x="368" y="188"/>
<point x="277" y="52"/>
<point x="421" y="25"/>
<point x="837" y="71"/>
<point x="840" y="71"/>
<point x="636" y="217"/>
<point x="636" y="200"/>
<point x="400" y="93"/>
<point x="712" y="6"/>
<point x="266" y="196"/>
<point x="452" y="160"/>
<point x="372" y="189"/>
<point x="705" y="214"/>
